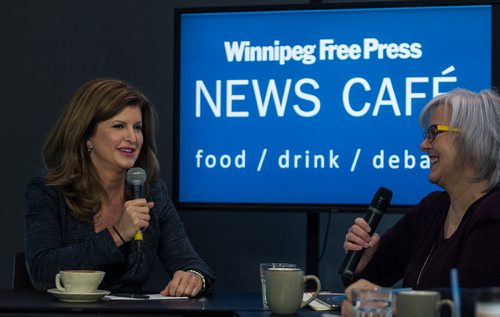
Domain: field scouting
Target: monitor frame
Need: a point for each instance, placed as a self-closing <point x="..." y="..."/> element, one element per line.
<point x="307" y="207"/>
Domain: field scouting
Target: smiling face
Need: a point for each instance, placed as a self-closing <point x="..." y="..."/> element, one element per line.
<point x="445" y="168"/>
<point x="117" y="142"/>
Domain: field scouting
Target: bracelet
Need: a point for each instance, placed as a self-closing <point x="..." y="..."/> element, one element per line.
<point x="119" y="235"/>
<point x="203" y="284"/>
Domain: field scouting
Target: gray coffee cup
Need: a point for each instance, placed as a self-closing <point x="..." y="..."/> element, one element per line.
<point x="421" y="304"/>
<point x="285" y="289"/>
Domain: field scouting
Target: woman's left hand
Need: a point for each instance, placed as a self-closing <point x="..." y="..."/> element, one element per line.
<point x="183" y="284"/>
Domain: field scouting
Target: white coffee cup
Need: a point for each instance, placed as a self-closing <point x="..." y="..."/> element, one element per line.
<point x="488" y="303"/>
<point x="79" y="281"/>
<point x="285" y="289"/>
<point x="421" y="304"/>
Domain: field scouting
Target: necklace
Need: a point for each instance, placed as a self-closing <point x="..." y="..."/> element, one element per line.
<point x="425" y="263"/>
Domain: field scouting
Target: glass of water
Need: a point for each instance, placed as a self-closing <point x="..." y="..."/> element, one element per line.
<point x="376" y="302"/>
<point x="263" y="268"/>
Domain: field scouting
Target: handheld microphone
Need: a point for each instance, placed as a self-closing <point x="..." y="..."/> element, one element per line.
<point x="376" y="210"/>
<point x="136" y="177"/>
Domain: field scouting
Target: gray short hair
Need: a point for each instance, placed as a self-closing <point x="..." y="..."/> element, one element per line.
<point x="478" y="117"/>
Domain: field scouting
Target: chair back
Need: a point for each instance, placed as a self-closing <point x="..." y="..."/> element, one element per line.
<point x="21" y="276"/>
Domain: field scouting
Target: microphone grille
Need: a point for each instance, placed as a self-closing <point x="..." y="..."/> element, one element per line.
<point x="382" y="199"/>
<point x="136" y="176"/>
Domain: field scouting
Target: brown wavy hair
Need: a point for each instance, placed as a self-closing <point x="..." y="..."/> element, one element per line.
<point x="65" y="152"/>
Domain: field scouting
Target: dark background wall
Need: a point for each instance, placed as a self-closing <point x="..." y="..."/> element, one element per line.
<point x="49" y="48"/>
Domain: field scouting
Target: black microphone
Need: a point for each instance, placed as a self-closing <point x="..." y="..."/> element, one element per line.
<point x="376" y="210"/>
<point x="136" y="177"/>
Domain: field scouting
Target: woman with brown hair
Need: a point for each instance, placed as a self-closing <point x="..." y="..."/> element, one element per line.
<point x="81" y="215"/>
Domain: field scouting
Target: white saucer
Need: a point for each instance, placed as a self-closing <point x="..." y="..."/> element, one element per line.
<point x="78" y="297"/>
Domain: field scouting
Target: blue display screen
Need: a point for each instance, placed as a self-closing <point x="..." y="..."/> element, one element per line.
<point x="317" y="107"/>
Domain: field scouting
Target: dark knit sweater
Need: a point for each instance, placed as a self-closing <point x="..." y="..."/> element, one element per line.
<point x="55" y="240"/>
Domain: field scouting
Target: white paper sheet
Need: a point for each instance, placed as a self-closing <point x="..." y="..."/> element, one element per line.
<point x="151" y="297"/>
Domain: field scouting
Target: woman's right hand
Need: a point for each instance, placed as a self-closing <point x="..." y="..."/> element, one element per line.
<point x="135" y="217"/>
<point x="357" y="238"/>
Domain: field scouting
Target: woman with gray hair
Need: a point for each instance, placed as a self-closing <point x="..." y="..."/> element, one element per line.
<point x="455" y="228"/>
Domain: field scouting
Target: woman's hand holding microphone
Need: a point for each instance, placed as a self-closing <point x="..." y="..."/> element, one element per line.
<point x="357" y="238"/>
<point x="135" y="217"/>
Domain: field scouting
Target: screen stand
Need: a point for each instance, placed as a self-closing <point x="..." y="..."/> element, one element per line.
<point x="312" y="246"/>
